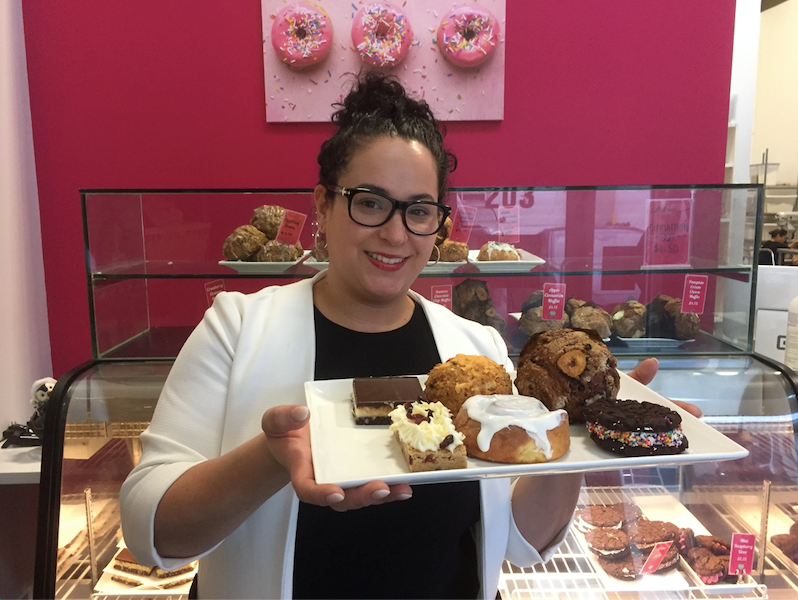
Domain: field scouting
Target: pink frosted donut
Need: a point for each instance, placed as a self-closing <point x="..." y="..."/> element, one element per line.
<point x="467" y="36"/>
<point x="381" y="34"/>
<point x="301" y="34"/>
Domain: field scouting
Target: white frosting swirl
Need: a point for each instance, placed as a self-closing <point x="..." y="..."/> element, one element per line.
<point x="427" y="435"/>
<point x="502" y="247"/>
<point x="497" y="411"/>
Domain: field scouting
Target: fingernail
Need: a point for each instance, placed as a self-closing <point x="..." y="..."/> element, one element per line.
<point x="380" y="494"/>
<point x="404" y="496"/>
<point x="300" y="413"/>
<point x="334" y="498"/>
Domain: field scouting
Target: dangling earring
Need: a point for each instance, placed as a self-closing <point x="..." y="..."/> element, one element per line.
<point x="437" y="258"/>
<point x="320" y="247"/>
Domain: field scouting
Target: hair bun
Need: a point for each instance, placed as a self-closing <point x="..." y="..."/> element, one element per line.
<point x="378" y="95"/>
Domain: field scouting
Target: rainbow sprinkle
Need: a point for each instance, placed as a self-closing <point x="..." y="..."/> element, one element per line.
<point x="384" y="48"/>
<point x="674" y="437"/>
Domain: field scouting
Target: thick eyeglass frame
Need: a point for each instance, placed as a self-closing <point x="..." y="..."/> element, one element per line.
<point x="349" y="193"/>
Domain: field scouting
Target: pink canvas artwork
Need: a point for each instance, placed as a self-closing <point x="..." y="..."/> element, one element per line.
<point x="455" y="93"/>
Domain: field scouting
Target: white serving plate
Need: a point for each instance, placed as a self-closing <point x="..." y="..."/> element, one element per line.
<point x="528" y="262"/>
<point x="350" y="455"/>
<point x="442" y="268"/>
<point x="316" y="264"/>
<point x="262" y="268"/>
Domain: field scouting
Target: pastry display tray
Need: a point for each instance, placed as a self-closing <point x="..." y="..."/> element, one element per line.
<point x="262" y="268"/>
<point x="528" y="261"/>
<point x="350" y="455"/>
<point x="150" y="587"/>
<point x="664" y="507"/>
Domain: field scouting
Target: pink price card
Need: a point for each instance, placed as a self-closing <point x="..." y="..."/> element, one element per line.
<point x="695" y="291"/>
<point x="212" y="289"/>
<point x="462" y="223"/>
<point x="655" y="558"/>
<point x="553" y="301"/>
<point x="667" y="237"/>
<point x="509" y="224"/>
<point x="290" y="227"/>
<point x="441" y="294"/>
<point x="741" y="561"/>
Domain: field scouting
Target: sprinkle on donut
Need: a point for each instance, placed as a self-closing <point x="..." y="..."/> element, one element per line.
<point x="467" y="36"/>
<point x="301" y="35"/>
<point x="381" y="34"/>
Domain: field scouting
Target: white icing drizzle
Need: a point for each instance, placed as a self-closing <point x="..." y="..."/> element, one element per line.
<point x="497" y="411"/>
<point x="502" y="247"/>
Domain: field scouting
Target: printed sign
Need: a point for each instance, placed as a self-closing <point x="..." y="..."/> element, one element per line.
<point x="212" y="289"/>
<point x="509" y="224"/>
<point x="553" y="301"/>
<point x="462" y="223"/>
<point x="667" y="238"/>
<point x="695" y="291"/>
<point x="655" y="558"/>
<point x="290" y="227"/>
<point x="741" y="561"/>
<point x="441" y="294"/>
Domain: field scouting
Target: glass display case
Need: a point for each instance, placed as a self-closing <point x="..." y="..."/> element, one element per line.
<point x="607" y="245"/>
<point x="153" y="266"/>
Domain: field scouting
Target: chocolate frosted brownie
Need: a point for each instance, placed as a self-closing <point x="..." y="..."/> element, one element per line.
<point x="635" y="428"/>
<point x="373" y="398"/>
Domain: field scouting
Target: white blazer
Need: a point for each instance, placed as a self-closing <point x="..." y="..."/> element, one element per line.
<point x="249" y="353"/>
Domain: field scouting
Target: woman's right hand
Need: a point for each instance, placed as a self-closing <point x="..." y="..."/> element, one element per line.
<point x="288" y="435"/>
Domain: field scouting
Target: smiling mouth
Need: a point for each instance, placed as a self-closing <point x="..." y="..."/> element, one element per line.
<point x="385" y="259"/>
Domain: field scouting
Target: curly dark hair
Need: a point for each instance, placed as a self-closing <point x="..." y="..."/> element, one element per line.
<point x="377" y="106"/>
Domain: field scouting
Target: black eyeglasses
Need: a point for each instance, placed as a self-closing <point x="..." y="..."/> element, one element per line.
<point x="372" y="209"/>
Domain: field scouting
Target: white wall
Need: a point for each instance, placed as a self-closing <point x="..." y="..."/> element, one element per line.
<point x="776" y="112"/>
<point x="743" y="90"/>
<point x="24" y="336"/>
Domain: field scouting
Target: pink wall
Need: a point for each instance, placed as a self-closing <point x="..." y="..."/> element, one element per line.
<point x="154" y="94"/>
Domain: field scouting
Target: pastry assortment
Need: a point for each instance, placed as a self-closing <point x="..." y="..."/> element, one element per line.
<point x="567" y="369"/>
<point x="256" y="241"/>
<point x="622" y="538"/>
<point x="633" y="428"/>
<point x="660" y="318"/>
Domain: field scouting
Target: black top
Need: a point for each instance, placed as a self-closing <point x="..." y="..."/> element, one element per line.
<point x="418" y="548"/>
<point x="765" y="258"/>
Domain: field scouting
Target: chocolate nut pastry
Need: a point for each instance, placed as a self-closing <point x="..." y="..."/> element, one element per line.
<point x="243" y="243"/>
<point x="590" y="316"/>
<point x="471" y="300"/>
<point x="532" y="321"/>
<point x="568" y="369"/>
<point x="628" y="319"/>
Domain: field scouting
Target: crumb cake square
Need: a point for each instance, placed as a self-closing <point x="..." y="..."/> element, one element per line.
<point x="426" y="434"/>
<point x="373" y="398"/>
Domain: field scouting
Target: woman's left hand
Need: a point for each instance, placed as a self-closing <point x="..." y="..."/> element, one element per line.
<point x="645" y="372"/>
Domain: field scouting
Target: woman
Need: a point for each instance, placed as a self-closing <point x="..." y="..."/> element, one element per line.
<point x="230" y="430"/>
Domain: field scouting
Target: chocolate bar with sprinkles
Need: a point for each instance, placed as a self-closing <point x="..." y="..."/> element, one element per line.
<point x="633" y="428"/>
